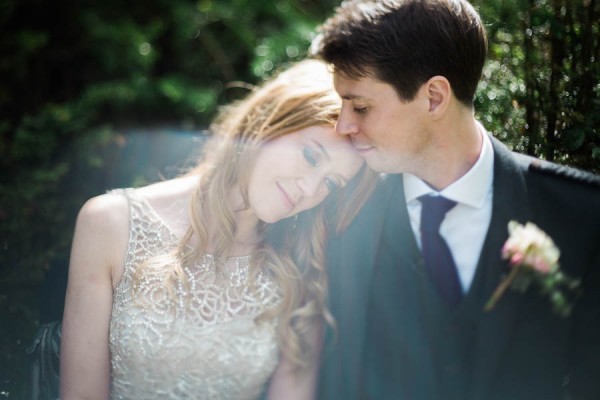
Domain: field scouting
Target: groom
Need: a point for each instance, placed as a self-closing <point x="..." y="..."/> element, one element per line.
<point x="410" y="278"/>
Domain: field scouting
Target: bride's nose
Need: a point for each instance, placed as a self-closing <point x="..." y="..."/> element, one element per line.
<point x="309" y="184"/>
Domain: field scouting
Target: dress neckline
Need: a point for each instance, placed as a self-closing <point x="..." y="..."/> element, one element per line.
<point x="142" y="200"/>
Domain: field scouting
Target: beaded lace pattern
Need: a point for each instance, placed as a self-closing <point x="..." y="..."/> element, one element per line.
<point x="201" y="343"/>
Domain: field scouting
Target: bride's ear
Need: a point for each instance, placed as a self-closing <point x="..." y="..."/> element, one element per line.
<point x="439" y="93"/>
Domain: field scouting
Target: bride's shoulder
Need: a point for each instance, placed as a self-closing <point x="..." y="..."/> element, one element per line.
<point x="110" y="210"/>
<point x="170" y="200"/>
<point x="105" y="208"/>
<point x="169" y="190"/>
<point x="101" y="233"/>
<point x="103" y="218"/>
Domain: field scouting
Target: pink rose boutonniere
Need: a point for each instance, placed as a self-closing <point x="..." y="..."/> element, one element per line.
<point x="533" y="258"/>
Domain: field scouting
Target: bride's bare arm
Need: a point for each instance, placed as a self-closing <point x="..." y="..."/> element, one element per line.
<point x="289" y="384"/>
<point x="97" y="254"/>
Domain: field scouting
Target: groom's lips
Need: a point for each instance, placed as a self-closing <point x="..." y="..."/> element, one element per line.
<point x="363" y="148"/>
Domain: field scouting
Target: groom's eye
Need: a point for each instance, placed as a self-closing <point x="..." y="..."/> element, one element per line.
<point x="360" y="110"/>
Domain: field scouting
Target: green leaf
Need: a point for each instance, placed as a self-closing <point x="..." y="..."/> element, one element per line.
<point x="573" y="139"/>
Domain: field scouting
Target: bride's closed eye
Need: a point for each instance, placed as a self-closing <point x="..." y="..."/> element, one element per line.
<point x="313" y="158"/>
<point x="331" y="184"/>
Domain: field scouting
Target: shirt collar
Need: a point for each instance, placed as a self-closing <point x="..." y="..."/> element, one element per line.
<point x="470" y="189"/>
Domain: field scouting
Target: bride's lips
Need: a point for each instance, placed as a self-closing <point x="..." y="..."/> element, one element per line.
<point x="287" y="201"/>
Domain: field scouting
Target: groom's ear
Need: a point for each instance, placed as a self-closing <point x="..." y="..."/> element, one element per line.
<point x="438" y="92"/>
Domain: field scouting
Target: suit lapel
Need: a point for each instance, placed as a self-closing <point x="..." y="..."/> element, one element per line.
<point x="399" y="362"/>
<point x="413" y="296"/>
<point x="350" y="271"/>
<point x="495" y="327"/>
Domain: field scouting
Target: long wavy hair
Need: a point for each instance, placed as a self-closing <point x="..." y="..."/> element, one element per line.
<point x="293" y="250"/>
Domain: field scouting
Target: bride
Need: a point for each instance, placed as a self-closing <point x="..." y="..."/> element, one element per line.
<point x="213" y="285"/>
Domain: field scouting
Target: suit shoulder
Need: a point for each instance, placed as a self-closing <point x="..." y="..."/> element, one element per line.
<point x="567" y="174"/>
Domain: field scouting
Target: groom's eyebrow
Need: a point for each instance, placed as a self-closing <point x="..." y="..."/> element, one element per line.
<point x="355" y="97"/>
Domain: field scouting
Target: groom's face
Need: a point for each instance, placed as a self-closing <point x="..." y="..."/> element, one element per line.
<point x="390" y="134"/>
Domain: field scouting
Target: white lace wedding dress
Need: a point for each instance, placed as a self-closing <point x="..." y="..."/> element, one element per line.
<point x="207" y="348"/>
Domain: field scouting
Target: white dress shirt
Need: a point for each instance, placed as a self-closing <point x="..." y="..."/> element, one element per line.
<point x="465" y="225"/>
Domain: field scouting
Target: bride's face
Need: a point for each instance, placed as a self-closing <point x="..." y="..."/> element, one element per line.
<point x="295" y="172"/>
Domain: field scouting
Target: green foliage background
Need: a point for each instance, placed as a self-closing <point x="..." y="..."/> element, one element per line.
<point x="76" y="76"/>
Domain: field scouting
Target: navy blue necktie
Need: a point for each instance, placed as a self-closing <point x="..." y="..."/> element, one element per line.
<point x="439" y="263"/>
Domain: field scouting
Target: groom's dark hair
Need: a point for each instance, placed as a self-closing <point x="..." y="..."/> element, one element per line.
<point x="406" y="42"/>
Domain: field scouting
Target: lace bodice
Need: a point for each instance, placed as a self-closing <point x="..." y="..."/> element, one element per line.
<point x="200" y="343"/>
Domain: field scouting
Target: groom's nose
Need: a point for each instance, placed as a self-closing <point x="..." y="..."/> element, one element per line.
<point x="345" y="124"/>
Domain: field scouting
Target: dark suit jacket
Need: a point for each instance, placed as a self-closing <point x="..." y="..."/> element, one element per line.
<point x="394" y="338"/>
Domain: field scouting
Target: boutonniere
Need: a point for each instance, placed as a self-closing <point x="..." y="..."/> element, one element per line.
<point x="533" y="259"/>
